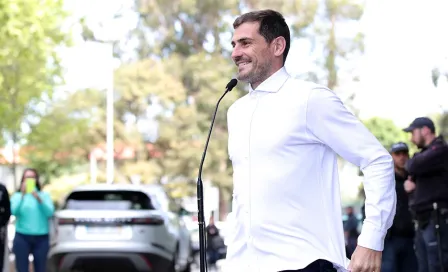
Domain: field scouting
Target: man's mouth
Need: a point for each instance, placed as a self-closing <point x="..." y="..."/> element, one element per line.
<point x="242" y="63"/>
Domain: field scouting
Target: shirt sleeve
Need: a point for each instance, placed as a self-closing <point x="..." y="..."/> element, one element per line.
<point x="334" y="125"/>
<point x="47" y="205"/>
<point x="16" y="203"/>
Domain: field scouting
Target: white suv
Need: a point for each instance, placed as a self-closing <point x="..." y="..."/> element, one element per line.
<point x="118" y="228"/>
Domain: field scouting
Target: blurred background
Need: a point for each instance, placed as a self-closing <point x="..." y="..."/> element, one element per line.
<point x="122" y="91"/>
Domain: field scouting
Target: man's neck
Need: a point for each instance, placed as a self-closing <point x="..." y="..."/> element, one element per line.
<point x="429" y="139"/>
<point x="400" y="171"/>
<point x="254" y="85"/>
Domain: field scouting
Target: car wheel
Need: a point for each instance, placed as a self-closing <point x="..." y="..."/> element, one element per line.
<point x="172" y="267"/>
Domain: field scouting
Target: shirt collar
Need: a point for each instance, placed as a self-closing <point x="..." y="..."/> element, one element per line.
<point x="273" y="83"/>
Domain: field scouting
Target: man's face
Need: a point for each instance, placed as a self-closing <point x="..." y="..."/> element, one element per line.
<point x="400" y="158"/>
<point x="349" y="210"/>
<point x="417" y="138"/>
<point x="251" y="53"/>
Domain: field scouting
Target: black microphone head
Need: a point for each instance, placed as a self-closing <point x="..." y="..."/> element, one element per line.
<point x="232" y="83"/>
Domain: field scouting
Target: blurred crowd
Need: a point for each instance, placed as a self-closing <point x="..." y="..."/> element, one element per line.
<point x="418" y="238"/>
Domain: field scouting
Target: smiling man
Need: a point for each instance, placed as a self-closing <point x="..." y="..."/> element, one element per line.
<point x="284" y="139"/>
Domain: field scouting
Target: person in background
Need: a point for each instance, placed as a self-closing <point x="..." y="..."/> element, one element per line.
<point x="5" y="214"/>
<point x="398" y="254"/>
<point x="213" y="241"/>
<point x="351" y="231"/>
<point x="33" y="209"/>
<point x="427" y="185"/>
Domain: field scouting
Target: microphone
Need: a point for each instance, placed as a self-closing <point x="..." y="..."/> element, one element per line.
<point x="232" y="83"/>
<point x="200" y="188"/>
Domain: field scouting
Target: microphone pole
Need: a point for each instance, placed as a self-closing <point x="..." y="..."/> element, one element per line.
<point x="200" y="187"/>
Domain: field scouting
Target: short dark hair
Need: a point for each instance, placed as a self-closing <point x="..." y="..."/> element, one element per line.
<point x="272" y="25"/>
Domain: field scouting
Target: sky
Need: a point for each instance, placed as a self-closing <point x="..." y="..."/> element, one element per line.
<point x="404" y="41"/>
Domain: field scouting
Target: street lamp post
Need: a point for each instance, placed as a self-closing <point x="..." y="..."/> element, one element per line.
<point x="88" y="35"/>
<point x="110" y="167"/>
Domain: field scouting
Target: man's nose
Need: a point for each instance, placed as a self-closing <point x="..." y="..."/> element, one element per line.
<point x="236" y="53"/>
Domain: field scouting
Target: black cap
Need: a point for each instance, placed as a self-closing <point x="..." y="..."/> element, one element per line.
<point x="399" y="147"/>
<point x="419" y="123"/>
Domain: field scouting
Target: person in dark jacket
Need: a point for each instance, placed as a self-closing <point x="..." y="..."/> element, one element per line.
<point x="351" y="231"/>
<point x="398" y="253"/>
<point x="5" y="214"/>
<point x="214" y="241"/>
<point x="427" y="186"/>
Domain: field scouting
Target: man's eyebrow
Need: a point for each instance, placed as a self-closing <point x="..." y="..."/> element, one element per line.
<point x="241" y="40"/>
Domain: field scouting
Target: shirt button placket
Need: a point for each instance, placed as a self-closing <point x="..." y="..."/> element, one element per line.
<point x="252" y="259"/>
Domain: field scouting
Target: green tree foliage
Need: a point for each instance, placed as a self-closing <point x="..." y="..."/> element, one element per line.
<point x="29" y="64"/>
<point x="182" y="27"/>
<point x="339" y="49"/>
<point x="387" y="132"/>
<point x="139" y="90"/>
<point x="65" y="132"/>
<point x="30" y="33"/>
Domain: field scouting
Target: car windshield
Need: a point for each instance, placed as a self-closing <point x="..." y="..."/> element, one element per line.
<point x="108" y="200"/>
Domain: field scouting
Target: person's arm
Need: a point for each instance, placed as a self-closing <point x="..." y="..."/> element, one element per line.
<point x="5" y="206"/>
<point x="334" y="125"/>
<point x="16" y="203"/>
<point x="46" y="203"/>
<point x="430" y="160"/>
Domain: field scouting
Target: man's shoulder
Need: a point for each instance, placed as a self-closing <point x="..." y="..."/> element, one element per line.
<point x="296" y="82"/>
<point x="441" y="143"/>
<point x="237" y="104"/>
<point x="305" y="88"/>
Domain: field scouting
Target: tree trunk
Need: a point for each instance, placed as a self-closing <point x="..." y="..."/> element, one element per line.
<point x="14" y="160"/>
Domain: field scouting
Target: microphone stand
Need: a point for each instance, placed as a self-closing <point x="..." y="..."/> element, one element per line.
<point x="200" y="189"/>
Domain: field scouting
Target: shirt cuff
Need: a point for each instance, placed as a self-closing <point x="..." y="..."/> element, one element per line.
<point x="371" y="237"/>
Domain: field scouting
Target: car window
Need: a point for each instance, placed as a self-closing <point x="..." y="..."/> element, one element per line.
<point x="108" y="200"/>
<point x="155" y="202"/>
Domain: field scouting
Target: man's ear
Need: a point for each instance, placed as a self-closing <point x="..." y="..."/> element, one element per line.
<point x="279" y="46"/>
<point x="426" y="130"/>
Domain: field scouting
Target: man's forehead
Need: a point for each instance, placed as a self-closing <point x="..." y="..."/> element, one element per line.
<point x="246" y="30"/>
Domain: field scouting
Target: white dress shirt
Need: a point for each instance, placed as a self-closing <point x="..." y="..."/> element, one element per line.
<point x="284" y="138"/>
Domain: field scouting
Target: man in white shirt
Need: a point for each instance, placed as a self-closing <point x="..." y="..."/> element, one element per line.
<point x="284" y="138"/>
